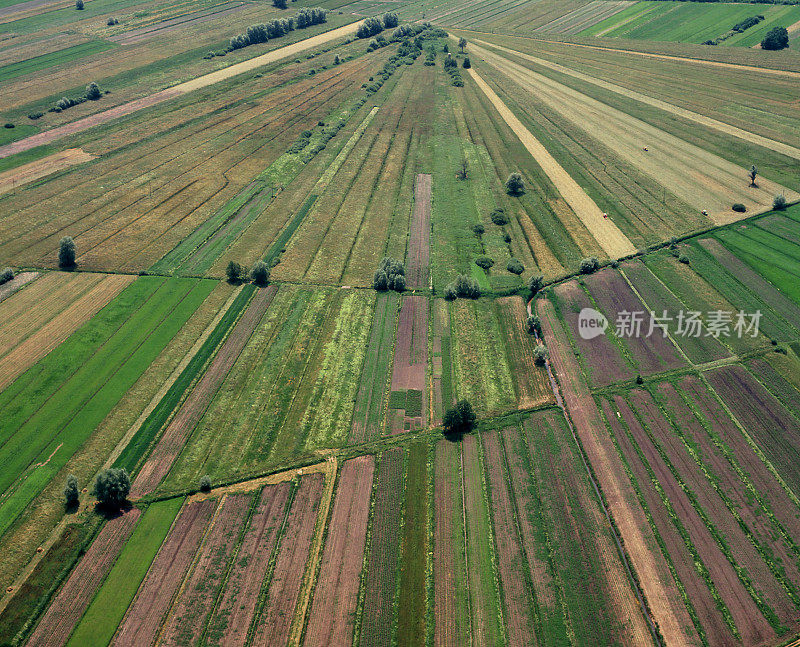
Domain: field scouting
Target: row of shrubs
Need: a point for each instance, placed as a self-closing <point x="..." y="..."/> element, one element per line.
<point x="277" y="28"/>
<point x="376" y="24"/>
<point x="93" y="93"/>
<point x="451" y="67"/>
<point x="738" y="28"/>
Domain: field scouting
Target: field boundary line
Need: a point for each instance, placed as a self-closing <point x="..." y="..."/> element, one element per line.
<point x="753" y="138"/>
<point x="608" y="235"/>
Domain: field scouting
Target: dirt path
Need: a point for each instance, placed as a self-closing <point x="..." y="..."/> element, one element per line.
<point x="41" y="168"/>
<point x="608" y="235"/>
<point x="779" y="147"/>
<point x="206" y="80"/>
<point x="699" y="178"/>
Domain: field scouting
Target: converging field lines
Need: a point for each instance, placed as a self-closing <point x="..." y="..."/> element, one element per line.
<point x="608" y="235"/>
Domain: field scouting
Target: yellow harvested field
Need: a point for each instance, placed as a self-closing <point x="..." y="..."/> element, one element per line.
<point x="608" y="235"/>
<point x="699" y="178"/>
<point x="780" y="147"/>
<point x="47" y="313"/>
<point x="41" y="168"/>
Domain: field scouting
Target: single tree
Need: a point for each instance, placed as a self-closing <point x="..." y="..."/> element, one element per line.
<point x="234" y="272"/>
<point x="6" y="275"/>
<point x="499" y="217"/>
<point x="779" y="202"/>
<point x="533" y="325"/>
<point x="535" y="283"/>
<point x="93" y="92"/>
<point x="380" y="281"/>
<point x="484" y="262"/>
<point x="390" y="20"/>
<point x="479" y="229"/>
<point x="776" y="38"/>
<point x="71" y="492"/>
<point x="79" y="5"/>
<point x="205" y="484"/>
<point x="515" y="184"/>
<point x="66" y="252"/>
<point x="336" y="60"/>
<point x="589" y="265"/>
<point x="398" y="282"/>
<point x="260" y="274"/>
<point x="459" y="420"/>
<point x="463" y="170"/>
<point x="466" y="64"/>
<point x="540" y="355"/>
<point x="112" y="487"/>
<point x="279" y="4"/>
<point x="752" y="174"/>
<point x="462" y="43"/>
<point x="515" y="266"/>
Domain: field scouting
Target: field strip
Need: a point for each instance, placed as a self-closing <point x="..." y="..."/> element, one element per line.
<point x="669" y="57"/>
<point x="700" y="178"/>
<point x="779" y="147"/>
<point x="41" y="168"/>
<point x="206" y="80"/>
<point x="298" y="621"/>
<point x="244" y="487"/>
<point x="607" y="234"/>
<point x="169" y="381"/>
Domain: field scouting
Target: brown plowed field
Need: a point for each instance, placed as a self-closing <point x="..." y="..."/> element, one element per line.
<point x="171" y="443"/>
<point x="77" y="593"/>
<point x="332" y="616"/>
<point x="410" y="362"/>
<point x="145" y="616"/>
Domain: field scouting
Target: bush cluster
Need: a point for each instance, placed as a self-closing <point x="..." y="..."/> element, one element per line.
<point x="738" y="28"/>
<point x="589" y="265"/>
<point x="464" y="287"/>
<point x="376" y="24"/>
<point x="484" y="262"/>
<point x="93" y="93"/>
<point x="499" y="217"/>
<point x="451" y="67"/>
<point x="390" y="275"/>
<point x="515" y="266"/>
<point x="264" y="32"/>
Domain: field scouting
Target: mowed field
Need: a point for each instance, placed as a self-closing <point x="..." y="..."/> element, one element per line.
<point x="291" y="483"/>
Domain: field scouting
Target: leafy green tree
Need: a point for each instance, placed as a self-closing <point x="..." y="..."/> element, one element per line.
<point x="459" y="420"/>
<point x="515" y="266"/>
<point x="589" y="265"/>
<point x="93" y="92"/>
<point x="779" y="202"/>
<point x="533" y="325"/>
<point x="466" y="64"/>
<point x="260" y="273"/>
<point x="535" y="283"/>
<point x="112" y="487"/>
<point x="79" y="5"/>
<point x="6" y="275"/>
<point x="71" y="492"/>
<point x="462" y="43"/>
<point x="205" y="484"/>
<point x="753" y="173"/>
<point x="66" y="252"/>
<point x="540" y="355"/>
<point x="279" y="4"/>
<point x="515" y="184"/>
<point x="776" y="38"/>
<point x="235" y="272"/>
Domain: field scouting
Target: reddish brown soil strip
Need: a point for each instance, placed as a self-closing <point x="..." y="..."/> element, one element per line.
<point x="145" y="616"/>
<point x="753" y="281"/>
<point x="9" y="180"/>
<point x="332" y="617"/>
<point x="614" y="296"/>
<point x="602" y="359"/>
<point x="419" y="238"/>
<point x="776" y="383"/>
<point x="516" y="592"/>
<point x="193" y="408"/>
<point x="7" y="289"/>
<point x="739" y="544"/>
<point x="448" y="533"/>
<point x="231" y="620"/>
<point x="751" y="624"/>
<point x="168" y="26"/>
<point x="658" y="298"/>
<point x="411" y="358"/>
<point x="653" y="572"/>
<point x="74" y="597"/>
<point x="768" y="423"/>
<point x="531" y="381"/>
<point x="201" y="82"/>
<point x="188" y="615"/>
<point x="284" y="587"/>
<point x="708" y="613"/>
<point x="381" y="575"/>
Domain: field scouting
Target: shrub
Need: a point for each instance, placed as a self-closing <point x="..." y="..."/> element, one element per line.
<point x="683" y="258"/>
<point x="776" y="38"/>
<point x="93" y="92"/>
<point x="79" y="5"/>
<point x="466" y="64"/>
<point x="112" y="487"/>
<point x="260" y="273"/>
<point x="779" y="202"/>
<point x="499" y="217"/>
<point x="205" y="484"/>
<point x="66" y="252"/>
<point x="515" y="185"/>
<point x="535" y="283"/>
<point x="464" y="287"/>
<point x="112" y="21"/>
<point x="235" y="272"/>
<point x="484" y="262"/>
<point x="370" y="27"/>
<point x="589" y="265"/>
<point x="639" y="379"/>
<point x="739" y="207"/>
<point x="450" y="292"/>
<point x="515" y="266"/>
<point x="8" y="125"/>
<point x="460" y="419"/>
<point x="35" y="115"/>
<point x="533" y="325"/>
<point x="507" y="238"/>
<point x="6" y="275"/>
<point x="279" y="4"/>
<point x="479" y="229"/>
<point x="71" y="492"/>
<point x="450" y="62"/>
<point x="540" y="355"/>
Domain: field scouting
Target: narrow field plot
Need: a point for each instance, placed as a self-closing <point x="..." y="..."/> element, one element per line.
<point x="370" y="404"/>
<point x="74" y="597"/>
<point x="600" y="358"/>
<point x="331" y="615"/>
<point x="380" y="576"/>
<point x="442" y="379"/>
<point x="281" y="596"/>
<point x="480" y="359"/>
<point x="51" y="412"/>
<point x="419" y="252"/>
<point x="451" y="601"/>
<point x="408" y="401"/>
<point x="295" y="383"/>
<point x="585" y="17"/>
<point x="16" y="284"/>
<point x="650" y="351"/>
<point x="10" y="180"/>
<point x="531" y="381"/>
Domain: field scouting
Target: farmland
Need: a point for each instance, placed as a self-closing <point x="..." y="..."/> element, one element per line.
<point x="399" y="339"/>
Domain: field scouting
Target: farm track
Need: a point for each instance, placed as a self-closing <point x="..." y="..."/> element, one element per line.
<point x="206" y="80"/>
<point x="172" y="440"/>
<point x="728" y="129"/>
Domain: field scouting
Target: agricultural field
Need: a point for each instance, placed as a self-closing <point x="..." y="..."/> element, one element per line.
<point x="383" y="337"/>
